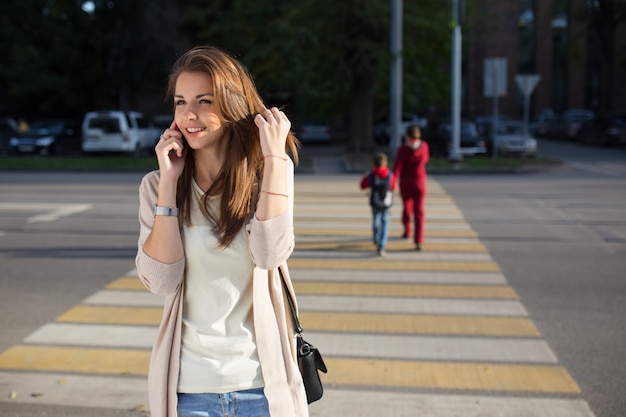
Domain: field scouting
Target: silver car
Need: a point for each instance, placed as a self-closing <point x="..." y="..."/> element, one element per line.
<point x="511" y="140"/>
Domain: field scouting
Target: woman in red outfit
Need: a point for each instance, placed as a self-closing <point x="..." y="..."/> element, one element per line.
<point x="409" y="168"/>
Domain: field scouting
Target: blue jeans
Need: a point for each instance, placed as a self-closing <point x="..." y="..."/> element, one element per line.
<point x="247" y="403"/>
<point x="380" y="227"/>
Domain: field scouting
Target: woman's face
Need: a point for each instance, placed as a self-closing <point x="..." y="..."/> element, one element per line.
<point x="195" y="113"/>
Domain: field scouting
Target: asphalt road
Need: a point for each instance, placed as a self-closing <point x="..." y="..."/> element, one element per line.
<point x="559" y="237"/>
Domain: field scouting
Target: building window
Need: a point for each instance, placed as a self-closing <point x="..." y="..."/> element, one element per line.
<point x="559" y="59"/>
<point x="526" y="25"/>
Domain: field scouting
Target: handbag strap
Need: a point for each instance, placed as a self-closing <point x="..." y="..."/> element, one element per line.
<point x="292" y="306"/>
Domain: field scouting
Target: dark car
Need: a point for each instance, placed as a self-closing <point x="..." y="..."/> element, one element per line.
<point x="382" y="129"/>
<point x="7" y="134"/>
<point x="50" y="137"/>
<point x="471" y="142"/>
<point x="603" y="130"/>
<point x="566" y="125"/>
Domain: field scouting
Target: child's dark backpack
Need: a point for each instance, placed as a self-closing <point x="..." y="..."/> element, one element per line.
<point x="381" y="195"/>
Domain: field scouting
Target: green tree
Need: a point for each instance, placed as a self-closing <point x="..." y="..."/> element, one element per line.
<point x="62" y="61"/>
<point x="325" y="58"/>
<point x="43" y="68"/>
<point x="320" y="59"/>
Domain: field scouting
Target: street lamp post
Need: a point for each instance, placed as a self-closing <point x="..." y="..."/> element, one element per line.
<point x="455" y="131"/>
<point x="395" y="96"/>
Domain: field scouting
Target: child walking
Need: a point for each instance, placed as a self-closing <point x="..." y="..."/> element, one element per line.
<point x="382" y="183"/>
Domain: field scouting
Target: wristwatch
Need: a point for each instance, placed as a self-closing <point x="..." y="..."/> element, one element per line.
<point x="165" y="211"/>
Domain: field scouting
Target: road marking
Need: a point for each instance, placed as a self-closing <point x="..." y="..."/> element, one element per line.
<point x="450" y="375"/>
<point x="124" y="298"/>
<point x="352" y="371"/>
<point x="106" y="335"/>
<point x="337" y="303"/>
<point x="435" y="348"/>
<point x="417" y="277"/>
<point x="419" y="324"/>
<point x="74" y="359"/>
<point x="333" y="322"/>
<point x="340" y="401"/>
<point x="405" y="290"/>
<point x="329" y="232"/>
<point x="112" y="315"/>
<point x="439" y="306"/>
<point x="448" y="230"/>
<point x="52" y="211"/>
<point x="377" y="263"/>
<point x="605" y="168"/>
<point x="372" y="289"/>
<point x="428" y="247"/>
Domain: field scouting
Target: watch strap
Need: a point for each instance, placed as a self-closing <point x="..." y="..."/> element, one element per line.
<point x="165" y="211"/>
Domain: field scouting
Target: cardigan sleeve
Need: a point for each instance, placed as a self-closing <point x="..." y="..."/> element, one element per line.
<point x="272" y="241"/>
<point x="158" y="277"/>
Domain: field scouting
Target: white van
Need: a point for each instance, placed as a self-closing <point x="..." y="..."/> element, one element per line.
<point x="117" y="131"/>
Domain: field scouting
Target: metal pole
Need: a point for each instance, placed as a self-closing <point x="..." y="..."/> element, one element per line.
<point x="395" y="93"/>
<point x="494" y="125"/>
<point x="526" y="113"/>
<point x="455" y="139"/>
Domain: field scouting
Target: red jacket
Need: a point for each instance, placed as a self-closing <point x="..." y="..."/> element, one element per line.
<point x="381" y="172"/>
<point x="410" y="166"/>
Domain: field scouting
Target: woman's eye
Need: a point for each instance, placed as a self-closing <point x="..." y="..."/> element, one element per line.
<point x="205" y="101"/>
<point x="179" y="102"/>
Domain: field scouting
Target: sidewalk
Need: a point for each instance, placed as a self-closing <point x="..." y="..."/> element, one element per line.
<point x="335" y="159"/>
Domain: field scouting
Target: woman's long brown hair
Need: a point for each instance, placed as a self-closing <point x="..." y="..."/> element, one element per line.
<point x="238" y="103"/>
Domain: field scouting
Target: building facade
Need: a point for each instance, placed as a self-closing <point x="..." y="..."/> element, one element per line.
<point x="555" y="39"/>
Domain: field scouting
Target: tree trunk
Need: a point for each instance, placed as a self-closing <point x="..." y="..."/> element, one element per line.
<point x="361" y="135"/>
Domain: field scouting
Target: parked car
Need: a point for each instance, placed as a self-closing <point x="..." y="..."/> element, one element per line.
<point x="484" y="124"/>
<point x="603" y="130"/>
<point x="117" y="131"/>
<point x="49" y="137"/>
<point x="470" y="141"/>
<point x="539" y="123"/>
<point x="315" y="131"/>
<point x="7" y="135"/>
<point x="382" y="129"/>
<point x="566" y="125"/>
<point x="510" y="139"/>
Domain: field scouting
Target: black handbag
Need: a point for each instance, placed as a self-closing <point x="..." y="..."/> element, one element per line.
<point x="309" y="358"/>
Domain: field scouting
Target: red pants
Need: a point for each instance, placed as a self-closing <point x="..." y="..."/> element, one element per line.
<point x="413" y="206"/>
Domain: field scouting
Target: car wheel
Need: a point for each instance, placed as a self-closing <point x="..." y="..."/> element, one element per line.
<point x="137" y="151"/>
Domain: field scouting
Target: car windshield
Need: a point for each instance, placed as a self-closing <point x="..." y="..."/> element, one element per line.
<point x="44" y="128"/>
<point x="618" y="121"/>
<point x="107" y="124"/>
<point x="510" y="129"/>
<point x="468" y="129"/>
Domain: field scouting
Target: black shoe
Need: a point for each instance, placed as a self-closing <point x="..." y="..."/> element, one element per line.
<point x="418" y="246"/>
<point x="405" y="236"/>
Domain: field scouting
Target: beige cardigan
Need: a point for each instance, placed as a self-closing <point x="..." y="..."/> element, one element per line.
<point x="271" y="243"/>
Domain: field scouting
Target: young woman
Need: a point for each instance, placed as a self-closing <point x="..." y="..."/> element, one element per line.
<point x="216" y="222"/>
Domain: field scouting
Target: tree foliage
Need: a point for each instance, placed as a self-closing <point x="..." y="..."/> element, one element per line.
<point x="319" y="58"/>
